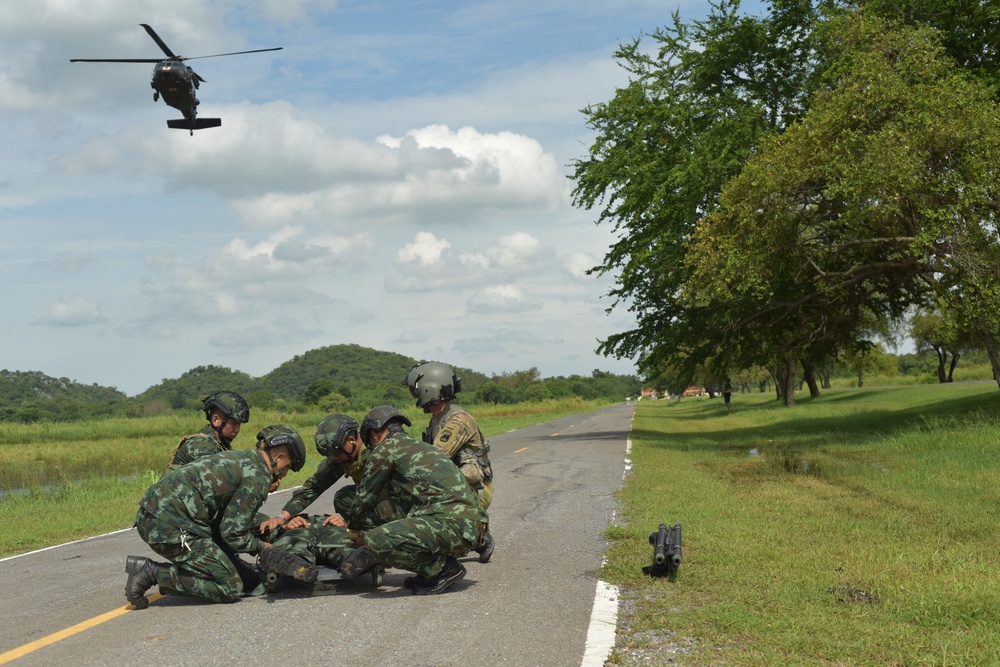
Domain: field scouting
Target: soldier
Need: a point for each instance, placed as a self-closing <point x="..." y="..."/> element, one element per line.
<point x="298" y="550"/>
<point x="442" y="519"/>
<point x="226" y="411"/>
<point x="201" y="516"/>
<point x="454" y="431"/>
<point x="338" y="442"/>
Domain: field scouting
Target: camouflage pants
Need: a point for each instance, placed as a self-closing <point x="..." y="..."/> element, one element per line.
<point x="319" y="544"/>
<point x="199" y="567"/>
<point x="343" y="502"/>
<point x="421" y="543"/>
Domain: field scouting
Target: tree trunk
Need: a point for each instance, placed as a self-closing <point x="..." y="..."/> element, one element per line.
<point x="954" y="362"/>
<point x="809" y="376"/>
<point x="825" y="374"/>
<point x="942" y="356"/>
<point x="788" y="371"/>
<point x="779" y="383"/>
<point x="993" y="350"/>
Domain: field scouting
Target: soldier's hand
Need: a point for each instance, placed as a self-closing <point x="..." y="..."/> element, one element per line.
<point x="269" y="525"/>
<point x="356" y="536"/>
<point x="297" y="522"/>
<point x="335" y="520"/>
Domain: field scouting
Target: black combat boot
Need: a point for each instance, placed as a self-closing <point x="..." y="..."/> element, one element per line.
<point x="451" y="572"/>
<point x="417" y="581"/>
<point x="285" y="564"/>
<point x="357" y="563"/>
<point x="249" y="574"/>
<point x="485" y="548"/>
<point x="141" y="577"/>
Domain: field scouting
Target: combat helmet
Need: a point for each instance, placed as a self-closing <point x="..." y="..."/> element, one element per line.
<point x="332" y="431"/>
<point x="431" y="382"/>
<point x="277" y="435"/>
<point x="377" y="419"/>
<point x="228" y="403"/>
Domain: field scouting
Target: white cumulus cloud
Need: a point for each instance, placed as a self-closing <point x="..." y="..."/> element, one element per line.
<point x="73" y="312"/>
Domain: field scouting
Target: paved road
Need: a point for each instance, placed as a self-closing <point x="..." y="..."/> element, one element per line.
<point x="530" y="605"/>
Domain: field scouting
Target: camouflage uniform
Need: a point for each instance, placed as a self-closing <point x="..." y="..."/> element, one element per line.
<point x="455" y="432"/>
<point x="326" y="475"/>
<point x="200" y="517"/>
<point x="191" y="447"/>
<point x="442" y="516"/>
<point x="318" y="544"/>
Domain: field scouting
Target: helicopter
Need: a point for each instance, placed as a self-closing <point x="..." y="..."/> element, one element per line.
<point x="175" y="82"/>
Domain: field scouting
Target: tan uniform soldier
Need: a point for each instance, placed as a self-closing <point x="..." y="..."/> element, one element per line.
<point x="454" y="431"/>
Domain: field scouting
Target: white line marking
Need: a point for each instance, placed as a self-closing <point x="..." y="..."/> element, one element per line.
<point x="601" y="633"/>
<point x="94" y="537"/>
<point x="603" y="623"/>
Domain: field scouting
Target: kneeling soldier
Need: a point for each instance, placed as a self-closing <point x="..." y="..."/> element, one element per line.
<point x="201" y="516"/>
<point x="442" y="518"/>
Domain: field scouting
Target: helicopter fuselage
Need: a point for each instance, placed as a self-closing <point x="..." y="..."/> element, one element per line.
<point x="176" y="83"/>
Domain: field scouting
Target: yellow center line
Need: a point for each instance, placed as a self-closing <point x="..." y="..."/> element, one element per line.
<point x="21" y="651"/>
<point x="523" y="449"/>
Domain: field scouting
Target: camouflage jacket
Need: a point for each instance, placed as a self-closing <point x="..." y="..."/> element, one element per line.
<point x="216" y="497"/>
<point x="191" y="447"/>
<point x="420" y="480"/>
<point x="326" y="475"/>
<point x="453" y="429"/>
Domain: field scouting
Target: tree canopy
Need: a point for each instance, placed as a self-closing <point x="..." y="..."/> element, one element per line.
<point x="787" y="187"/>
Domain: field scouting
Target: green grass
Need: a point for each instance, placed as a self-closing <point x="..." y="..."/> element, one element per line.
<point x="66" y="481"/>
<point x="858" y="528"/>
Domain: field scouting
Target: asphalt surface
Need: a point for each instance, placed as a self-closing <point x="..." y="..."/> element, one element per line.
<point x="530" y="605"/>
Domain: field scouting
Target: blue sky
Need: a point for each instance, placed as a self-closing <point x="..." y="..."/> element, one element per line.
<point x="395" y="177"/>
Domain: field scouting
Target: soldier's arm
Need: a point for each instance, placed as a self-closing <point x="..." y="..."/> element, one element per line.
<point x="456" y="432"/>
<point x="327" y="473"/>
<point x="237" y="527"/>
<point x="378" y="470"/>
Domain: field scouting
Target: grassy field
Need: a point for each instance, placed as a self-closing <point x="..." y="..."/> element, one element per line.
<point x="859" y="528"/>
<point x="60" y="482"/>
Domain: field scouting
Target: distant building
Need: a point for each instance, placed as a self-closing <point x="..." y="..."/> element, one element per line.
<point x="694" y="391"/>
<point x="650" y="393"/>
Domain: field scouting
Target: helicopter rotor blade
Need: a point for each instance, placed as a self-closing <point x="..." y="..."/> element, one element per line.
<point x="235" y="53"/>
<point x="160" y="43"/>
<point x="115" y="60"/>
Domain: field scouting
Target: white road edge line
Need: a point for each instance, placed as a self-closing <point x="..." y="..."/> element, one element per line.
<point x="604" y="616"/>
<point x="94" y="537"/>
<point x="603" y="625"/>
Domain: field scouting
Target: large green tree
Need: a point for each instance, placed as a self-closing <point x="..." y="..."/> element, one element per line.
<point x="699" y="104"/>
<point x="884" y="192"/>
<point x="696" y="107"/>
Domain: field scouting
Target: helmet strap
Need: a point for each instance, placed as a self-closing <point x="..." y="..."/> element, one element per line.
<point x="218" y="429"/>
<point x="275" y="475"/>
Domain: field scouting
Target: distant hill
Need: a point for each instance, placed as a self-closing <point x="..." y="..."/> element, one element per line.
<point x="27" y="395"/>
<point x="188" y="390"/>
<point x="350" y="367"/>
<point x="336" y="377"/>
<point x="347" y="366"/>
